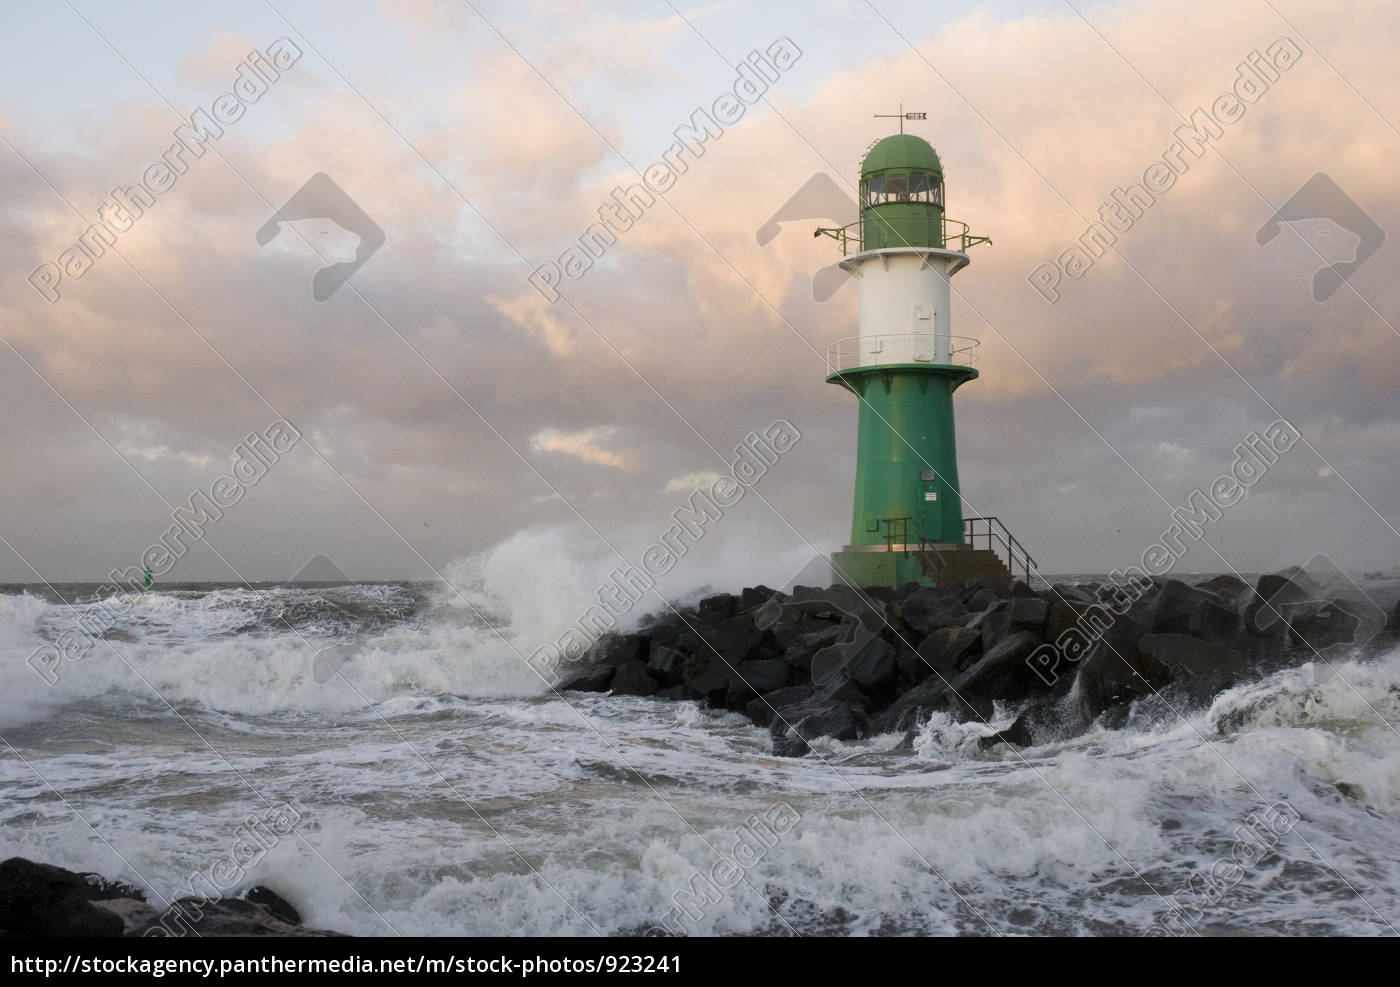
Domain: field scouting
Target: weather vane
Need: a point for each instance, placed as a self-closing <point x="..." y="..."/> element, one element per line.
<point x="902" y="116"/>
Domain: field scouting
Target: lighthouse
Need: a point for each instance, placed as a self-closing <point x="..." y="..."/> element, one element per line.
<point x="907" y="519"/>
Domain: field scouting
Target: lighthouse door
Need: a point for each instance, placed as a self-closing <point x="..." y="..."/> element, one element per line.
<point x="930" y="518"/>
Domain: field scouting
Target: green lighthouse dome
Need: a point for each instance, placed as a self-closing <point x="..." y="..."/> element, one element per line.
<point x="901" y="152"/>
<point x="901" y="194"/>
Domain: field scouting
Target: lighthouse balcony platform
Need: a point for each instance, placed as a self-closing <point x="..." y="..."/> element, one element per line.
<point x="901" y="349"/>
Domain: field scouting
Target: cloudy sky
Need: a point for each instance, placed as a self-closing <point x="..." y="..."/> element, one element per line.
<point x="448" y="408"/>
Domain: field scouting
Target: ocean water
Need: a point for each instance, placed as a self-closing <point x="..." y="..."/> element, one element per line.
<point x="438" y="788"/>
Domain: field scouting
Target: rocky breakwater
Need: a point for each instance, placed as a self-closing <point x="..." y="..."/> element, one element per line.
<point x="844" y="663"/>
<point x="42" y="900"/>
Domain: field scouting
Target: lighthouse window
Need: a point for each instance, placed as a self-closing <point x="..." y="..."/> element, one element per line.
<point x="898" y="188"/>
<point x="918" y="187"/>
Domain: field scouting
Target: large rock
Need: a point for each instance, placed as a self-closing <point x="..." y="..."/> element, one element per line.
<point x="1002" y="673"/>
<point x="618" y="649"/>
<point x="762" y="709"/>
<point x="632" y="680"/>
<point x="1152" y="663"/>
<point x="929" y="609"/>
<point x="909" y="709"/>
<point x="873" y="668"/>
<point x="1072" y="594"/>
<point x="1083" y="617"/>
<point x="707" y="674"/>
<point x="1273" y="592"/>
<point x="1019" y="734"/>
<point x="1208" y="666"/>
<point x="44" y="900"/>
<point x="721" y="606"/>
<point x="1109" y="674"/>
<point x="755" y="596"/>
<point x="799" y="655"/>
<point x="1216" y="620"/>
<point x="1174" y="605"/>
<point x="665" y="664"/>
<point x="1230" y="588"/>
<point x="590" y="680"/>
<point x="134" y="913"/>
<point x="984" y="589"/>
<point x="834" y="603"/>
<point x="841" y="721"/>
<point x="1013" y="616"/>
<point x="947" y="649"/>
<point x="280" y="907"/>
<point x="756" y="678"/>
<point x="1325" y="630"/>
<point x="224" y="917"/>
<point x="735" y="640"/>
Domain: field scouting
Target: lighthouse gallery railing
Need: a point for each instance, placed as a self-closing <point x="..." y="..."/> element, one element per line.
<point x="900" y="347"/>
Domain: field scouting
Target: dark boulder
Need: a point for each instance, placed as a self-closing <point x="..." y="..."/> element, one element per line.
<point x="1013" y="616"/>
<point x="1199" y="669"/>
<point x="665" y="664"/>
<point x="785" y="632"/>
<point x="1109" y="674"/>
<point x="632" y="680"/>
<point x="800" y="654"/>
<point x="755" y="596"/>
<point x="756" y="678"/>
<point x="1002" y="673"/>
<point x="929" y="609"/>
<point x="735" y="641"/>
<point x="1069" y="624"/>
<point x="803" y="724"/>
<point x="982" y="599"/>
<point x="930" y="696"/>
<point x="1216" y="620"/>
<point x="762" y="709"/>
<point x="1230" y="588"/>
<point x="990" y="589"/>
<point x="618" y="649"/>
<point x="1273" y="592"/>
<point x="280" y="908"/>
<point x="874" y="669"/>
<point x="1209" y="666"/>
<point x="1019" y="734"/>
<point x="948" y="649"/>
<point x="1174" y="605"/>
<point x="672" y="630"/>
<point x="721" y="606"/>
<point x="44" y="900"/>
<point x="1071" y="594"/>
<point x="834" y="603"/>
<point x="134" y="914"/>
<point x="224" y="917"/>
<point x="1325" y="630"/>
<point x="590" y="680"/>
<point x="709" y="675"/>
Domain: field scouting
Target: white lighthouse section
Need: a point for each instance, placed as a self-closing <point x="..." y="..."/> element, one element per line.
<point x="904" y="308"/>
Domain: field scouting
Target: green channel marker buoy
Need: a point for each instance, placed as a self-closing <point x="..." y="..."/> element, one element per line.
<point x="148" y="578"/>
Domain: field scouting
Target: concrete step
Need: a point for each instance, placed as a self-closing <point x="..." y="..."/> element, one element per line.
<point x="959" y="566"/>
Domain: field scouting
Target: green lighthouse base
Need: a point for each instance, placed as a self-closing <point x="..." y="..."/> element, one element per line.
<point x="893" y="569"/>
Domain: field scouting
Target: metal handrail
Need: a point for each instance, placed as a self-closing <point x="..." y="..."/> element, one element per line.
<point x="961" y="235"/>
<point x="925" y="545"/>
<point x="960" y="350"/>
<point x="1016" y="554"/>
